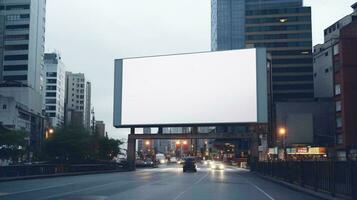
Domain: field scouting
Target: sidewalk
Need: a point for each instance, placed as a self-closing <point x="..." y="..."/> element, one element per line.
<point x="322" y="195"/>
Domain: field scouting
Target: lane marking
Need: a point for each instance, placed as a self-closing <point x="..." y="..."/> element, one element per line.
<point x="100" y="186"/>
<point x="259" y="189"/>
<point x="36" y="189"/>
<point x="189" y="188"/>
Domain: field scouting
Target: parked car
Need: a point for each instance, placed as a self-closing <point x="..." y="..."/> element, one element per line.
<point x="189" y="164"/>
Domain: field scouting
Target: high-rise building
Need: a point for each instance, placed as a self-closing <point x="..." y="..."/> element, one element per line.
<point x="283" y="27"/>
<point x="77" y="100"/>
<point x="22" y="38"/>
<point x="335" y="72"/>
<point x="54" y="89"/>
<point x="100" y="128"/>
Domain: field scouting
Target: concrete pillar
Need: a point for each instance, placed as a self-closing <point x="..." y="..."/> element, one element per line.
<point x="131" y="155"/>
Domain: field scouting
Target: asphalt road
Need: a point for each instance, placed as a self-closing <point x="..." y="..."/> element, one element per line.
<point x="152" y="184"/>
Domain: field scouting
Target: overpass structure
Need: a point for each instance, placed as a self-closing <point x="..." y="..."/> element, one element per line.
<point x="252" y="135"/>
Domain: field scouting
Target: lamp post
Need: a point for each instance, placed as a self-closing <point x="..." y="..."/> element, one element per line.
<point x="147" y="144"/>
<point x="49" y="132"/>
<point x="282" y="132"/>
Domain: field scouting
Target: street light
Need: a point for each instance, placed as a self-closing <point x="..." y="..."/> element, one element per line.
<point x="147" y="143"/>
<point x="184" y="142"/>
<point x="51" y="131"/>
<point x="178" y="142"/>
<point x="282" y="133"/>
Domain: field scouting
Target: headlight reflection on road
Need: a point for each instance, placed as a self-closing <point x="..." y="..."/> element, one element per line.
<point x="219" y="174"/>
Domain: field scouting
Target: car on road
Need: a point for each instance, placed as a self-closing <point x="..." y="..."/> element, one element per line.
<point x="217" y="166"/>
<point x="189" y="164"/>
<point x="173" y="160"/>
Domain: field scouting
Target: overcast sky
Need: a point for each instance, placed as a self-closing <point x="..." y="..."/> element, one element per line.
<point x="90" y="34"/>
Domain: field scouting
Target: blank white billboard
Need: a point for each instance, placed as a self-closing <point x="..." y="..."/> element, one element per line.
<point x="225" y="87"/>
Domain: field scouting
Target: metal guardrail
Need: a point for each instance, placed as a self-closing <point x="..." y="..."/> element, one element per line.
<point x="52" y="169"/>
<point x="335" y="177"/>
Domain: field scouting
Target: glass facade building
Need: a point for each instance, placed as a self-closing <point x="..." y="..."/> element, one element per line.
<point x="283" y="27"/>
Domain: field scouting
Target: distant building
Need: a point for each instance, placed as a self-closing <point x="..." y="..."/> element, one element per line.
<point x="17" y="116"/>
<point x="88" y="105"/>
<point x="22" y="27"/>
<point x="54" y="89"/>
<point x="283" y="27"/>
<point x="335" y="72"/>
<point x="100" y="128"/>
<point x="77" y="98"/>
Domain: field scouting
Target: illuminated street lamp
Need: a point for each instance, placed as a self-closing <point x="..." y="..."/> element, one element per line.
<point x="282" y="133"/>
<point x="178" y="142"/>
<point x="147" y="143"/>
<point x="49" y="132"/>
<point x="185" y="142"/>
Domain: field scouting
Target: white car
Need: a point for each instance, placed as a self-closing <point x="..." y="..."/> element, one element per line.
<point x="173" y="160"/>
<point x="217" y="166"/>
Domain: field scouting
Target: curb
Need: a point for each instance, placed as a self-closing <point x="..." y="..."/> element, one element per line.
<point x="57" y="175"/>
<point x="320" y="195"/>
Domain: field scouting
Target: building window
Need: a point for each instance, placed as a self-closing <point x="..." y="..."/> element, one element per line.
<point x="17" y="17"/>
<point x="16" y="47"/>
<point x="15" y="57"/>
<point x="50" y="107"/>
<point x="336" y="49"/>
<point x="51" y="81"/>
<point x="51" y="101"/>
<point x="15" y="67"/>
<point x="4" y="107"/>
<point x="338" y="106"/>
<point x="18" y="7"/>
<point x="50" y="94"/>
<point x="337" y="89"/>
<point x="51" y="87"/>
<point x="338" y="122"/>
<point x="15" y="27"/>
<point x="51" y="74"/>
<point x="15" y="78"/>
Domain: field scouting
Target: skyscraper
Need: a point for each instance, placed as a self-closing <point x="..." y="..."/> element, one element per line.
<point x="283" y="27"/>
<point x="22" y="37"/>
<point x="77" y="100"/>
<point x="55" y="89"/>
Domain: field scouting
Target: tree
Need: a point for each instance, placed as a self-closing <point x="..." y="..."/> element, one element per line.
<point x="12" y="144"/>
<point x="76" y="144"/>
<point x="108" y="148"/>
<point x="70" y="144"/>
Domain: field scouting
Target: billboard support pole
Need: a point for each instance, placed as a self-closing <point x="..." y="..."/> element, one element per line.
<point x="131" y="153"/>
